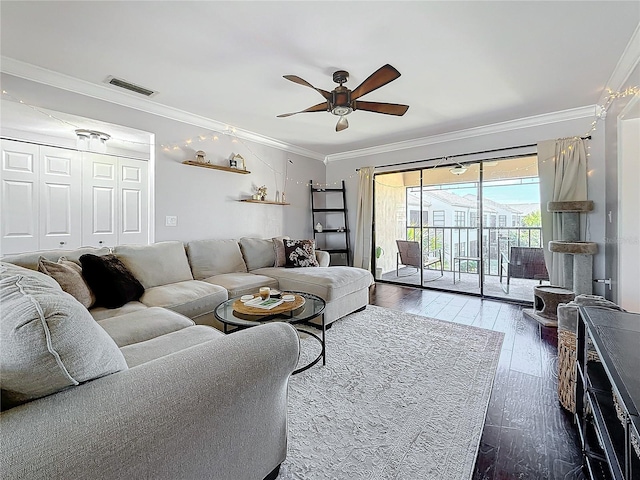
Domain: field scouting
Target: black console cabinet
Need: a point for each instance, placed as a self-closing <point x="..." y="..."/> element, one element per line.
<point x="608" y="390"/>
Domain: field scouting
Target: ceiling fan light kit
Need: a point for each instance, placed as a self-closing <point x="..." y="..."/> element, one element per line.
<point x="459" y="169"/>
<point x="342" y="101"/>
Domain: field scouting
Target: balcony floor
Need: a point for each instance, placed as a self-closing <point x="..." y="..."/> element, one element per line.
<point x="520" y="289"/>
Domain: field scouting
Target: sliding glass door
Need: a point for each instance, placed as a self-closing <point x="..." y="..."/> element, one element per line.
<point x="426" y="227"/>
<point x="472" y="228"/>
<point x="512" y="232"/>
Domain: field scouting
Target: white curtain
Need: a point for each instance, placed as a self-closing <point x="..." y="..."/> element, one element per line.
<point x="364" y="218"/>
<point x="562" y="169"/>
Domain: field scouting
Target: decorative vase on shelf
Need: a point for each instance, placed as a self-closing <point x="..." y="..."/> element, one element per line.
<point x="318" y="227"/>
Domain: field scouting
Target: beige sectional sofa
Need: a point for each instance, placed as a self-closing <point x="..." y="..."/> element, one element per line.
<point x="149" y="395"/>
<point x="194" y="278"/>
<point x="156" y="392"/>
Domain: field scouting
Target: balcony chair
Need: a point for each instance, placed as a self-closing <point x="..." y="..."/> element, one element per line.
<point x="409" y="255"/>
<point x="523" y="262"/>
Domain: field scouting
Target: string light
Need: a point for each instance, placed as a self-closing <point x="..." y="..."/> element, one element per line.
<point x="601" y="110"/>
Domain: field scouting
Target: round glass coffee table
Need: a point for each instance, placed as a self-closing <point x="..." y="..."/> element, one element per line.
<point x="305" y="308"/>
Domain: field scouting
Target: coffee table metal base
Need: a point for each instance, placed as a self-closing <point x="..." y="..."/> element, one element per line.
<point x="320" y="339"/>
<point x="299" y="319"/>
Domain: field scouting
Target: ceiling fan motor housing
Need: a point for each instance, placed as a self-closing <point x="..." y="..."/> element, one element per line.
<point x="341" y="101"/>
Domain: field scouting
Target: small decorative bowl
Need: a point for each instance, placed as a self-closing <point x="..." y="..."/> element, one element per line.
<point x="275" y="293"/>
<point x="288" y="298"/>
<point x="246" y="298"/>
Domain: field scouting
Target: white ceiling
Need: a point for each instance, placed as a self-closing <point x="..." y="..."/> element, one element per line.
<point x="463" y="64"/>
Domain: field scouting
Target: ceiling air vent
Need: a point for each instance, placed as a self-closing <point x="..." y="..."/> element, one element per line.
<point x="118" y="82"/>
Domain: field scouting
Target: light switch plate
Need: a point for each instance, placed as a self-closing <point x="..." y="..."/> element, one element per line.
<point x="171" y="221"/>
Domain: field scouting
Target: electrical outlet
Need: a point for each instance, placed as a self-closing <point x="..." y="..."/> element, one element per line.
<point x="171" y="221"/>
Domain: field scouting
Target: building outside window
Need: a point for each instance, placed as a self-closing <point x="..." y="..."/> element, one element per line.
<point x="489" y="220"/>
<point x="473" y="219"/>
<point x="438" y="218"/>
<point x="458" y="219"/>
<point x="502" y="220"/>
<point x="460" y="249"/>
<point x="414" y="218"/>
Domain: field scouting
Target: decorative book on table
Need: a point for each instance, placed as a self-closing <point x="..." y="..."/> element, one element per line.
<point x="266" y="304"/>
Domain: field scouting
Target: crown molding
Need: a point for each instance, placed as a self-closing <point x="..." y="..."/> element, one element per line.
<point x="103" y="92"/>
<point x="625" y="66"/>
<point x="492" y="129"/>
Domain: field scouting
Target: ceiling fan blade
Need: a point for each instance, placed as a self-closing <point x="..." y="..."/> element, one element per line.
<point x="300" y="81"/>
<point x="386" y="108"/>
<point x="342" y="124"/>
<point x="321" y="107"/>
<point x="377" y="79"/>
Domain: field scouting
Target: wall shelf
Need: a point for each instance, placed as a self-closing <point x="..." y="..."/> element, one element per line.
<point x="216" y="167"/>
<point x="268" y="202"/>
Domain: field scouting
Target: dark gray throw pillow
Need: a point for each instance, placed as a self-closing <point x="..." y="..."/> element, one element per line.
<point x="300" y="253"/>
<point x="111" y="282"/>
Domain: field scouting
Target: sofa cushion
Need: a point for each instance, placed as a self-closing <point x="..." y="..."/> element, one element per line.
<point x="111" y="282"/>
<point x="214" y="257"/>
<point x="69" y="275"/>
<point x="100" y="313"/>
<point x="300" y="253"/>
<point x="30" y="260"/>
<point x="278" y="249"/>
<point x="49" y="341"/>
<point x="328" y="283"/>
<point x="238" y="284"/>
<point x="143" y="325"/>
<point x="191" y="298"/>
<point x="143" y="352"/>
<point x="257" y="252"/>
<point x="156" y="264"/>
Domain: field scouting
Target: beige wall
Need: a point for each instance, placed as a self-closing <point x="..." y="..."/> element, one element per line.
<point x="205" y="201"/>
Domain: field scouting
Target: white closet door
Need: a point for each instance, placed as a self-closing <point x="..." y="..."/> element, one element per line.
<point x="20" y="197"/>
<point x="133" y="210"/>
<point x="99" y="199"/>
<point x="60" y="198"/>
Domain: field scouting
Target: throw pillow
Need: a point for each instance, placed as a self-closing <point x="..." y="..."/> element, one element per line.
<point x="49" y="341"/>
<point x="300" y="253"/>
<point x="113" y="284"/>
<point x="257" y="252"/>
<point x="69" y="275"/>
<point x="278" y="248"/>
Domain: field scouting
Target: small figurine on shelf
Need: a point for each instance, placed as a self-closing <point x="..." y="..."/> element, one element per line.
<point x="318" y="227"/>
<point x="262" y="192"/>
<point x="200" y="156"/>
<point x="239" y="161"/>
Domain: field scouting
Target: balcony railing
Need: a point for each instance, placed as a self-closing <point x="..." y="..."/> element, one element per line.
<point x="463" y="242"/>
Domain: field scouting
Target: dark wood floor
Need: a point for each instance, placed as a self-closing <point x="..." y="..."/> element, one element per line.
<point x="527" y="434"/>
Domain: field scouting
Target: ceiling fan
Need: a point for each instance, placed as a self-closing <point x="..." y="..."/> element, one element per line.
<point x="341" y="101"/>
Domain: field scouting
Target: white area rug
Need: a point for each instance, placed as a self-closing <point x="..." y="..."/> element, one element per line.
<point x="401" y="397"/>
